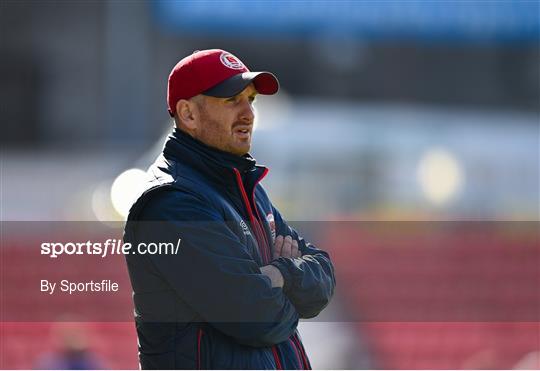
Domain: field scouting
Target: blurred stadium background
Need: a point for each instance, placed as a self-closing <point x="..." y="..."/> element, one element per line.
<point x="391" y="116"/>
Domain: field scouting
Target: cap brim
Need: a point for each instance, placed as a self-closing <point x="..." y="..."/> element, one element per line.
<point x="265" y="83"/>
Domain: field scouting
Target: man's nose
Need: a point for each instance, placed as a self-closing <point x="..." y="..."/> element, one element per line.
<point x="247" y="114"/>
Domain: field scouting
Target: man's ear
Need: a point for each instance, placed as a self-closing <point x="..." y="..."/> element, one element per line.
<point x="187" y="114"/>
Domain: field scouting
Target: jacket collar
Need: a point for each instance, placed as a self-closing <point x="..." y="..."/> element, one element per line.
<point x="209" y="161"/>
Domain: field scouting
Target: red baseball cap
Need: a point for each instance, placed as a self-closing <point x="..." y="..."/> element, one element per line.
<point x="216" y="73"/>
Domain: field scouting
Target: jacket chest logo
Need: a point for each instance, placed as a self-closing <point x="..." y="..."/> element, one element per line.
<point x="272" y="224"/>
<point x="245" y="228"/>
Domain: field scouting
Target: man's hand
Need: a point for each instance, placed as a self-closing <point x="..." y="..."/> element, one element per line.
<point x="286" y="247"/>
<point x="274" y="274"/>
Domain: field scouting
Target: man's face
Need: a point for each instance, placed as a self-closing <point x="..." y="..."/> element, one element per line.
<point x="227" y="123"/>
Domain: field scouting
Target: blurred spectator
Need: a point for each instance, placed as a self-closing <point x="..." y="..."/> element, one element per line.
<point x="72" y="351"/>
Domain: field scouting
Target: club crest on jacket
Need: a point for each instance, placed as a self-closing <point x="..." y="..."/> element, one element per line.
<point x="272" y="224"/>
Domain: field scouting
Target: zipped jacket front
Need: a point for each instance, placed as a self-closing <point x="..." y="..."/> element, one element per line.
<point x="207" y="305"/>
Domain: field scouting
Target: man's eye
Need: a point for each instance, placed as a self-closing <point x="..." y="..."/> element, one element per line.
<point x="251" y="99"/>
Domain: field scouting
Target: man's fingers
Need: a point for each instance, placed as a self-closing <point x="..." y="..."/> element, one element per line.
<point x="286" y="247"/>
<point x="286" y="251"/>
<point x="278" y="246"/>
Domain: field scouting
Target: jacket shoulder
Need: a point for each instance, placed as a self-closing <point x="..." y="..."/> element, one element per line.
<point x="169" y="185"/>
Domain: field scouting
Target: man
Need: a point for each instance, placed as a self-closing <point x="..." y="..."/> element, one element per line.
<point x="232" y="295"/>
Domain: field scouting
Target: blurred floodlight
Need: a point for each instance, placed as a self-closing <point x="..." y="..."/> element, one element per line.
<point x="101" y="203"/>
<point x="440" y="176"/>
<point x="125" y="190"/>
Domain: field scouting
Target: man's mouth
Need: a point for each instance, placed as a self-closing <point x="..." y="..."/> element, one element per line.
<point x="243" y="132"/>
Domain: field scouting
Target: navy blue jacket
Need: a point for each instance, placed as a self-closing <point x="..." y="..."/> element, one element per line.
<point x="208" y="305"/>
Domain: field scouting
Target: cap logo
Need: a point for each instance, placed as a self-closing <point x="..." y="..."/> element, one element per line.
<point x="231" y="61"/>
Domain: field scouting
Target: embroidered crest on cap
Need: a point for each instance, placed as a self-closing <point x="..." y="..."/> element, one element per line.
<point x="231" y="61"/>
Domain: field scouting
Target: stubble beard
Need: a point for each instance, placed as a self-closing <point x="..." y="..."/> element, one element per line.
<point x="214" y="134"/>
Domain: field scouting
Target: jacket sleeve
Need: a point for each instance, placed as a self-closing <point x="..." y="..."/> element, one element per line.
<point x="309" y="280"/>
<point x="212" y="272"/>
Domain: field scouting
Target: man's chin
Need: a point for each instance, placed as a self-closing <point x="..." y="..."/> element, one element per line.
<point x="240" y="150"/>
<point x="241" y="153"/>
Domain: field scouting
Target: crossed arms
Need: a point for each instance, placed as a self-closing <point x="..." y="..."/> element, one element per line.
<point x="218" y="278"/>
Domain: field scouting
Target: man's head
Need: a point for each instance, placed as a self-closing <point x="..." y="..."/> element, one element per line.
<point x="222" y="123"/>
<point x="210" y="95"/>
